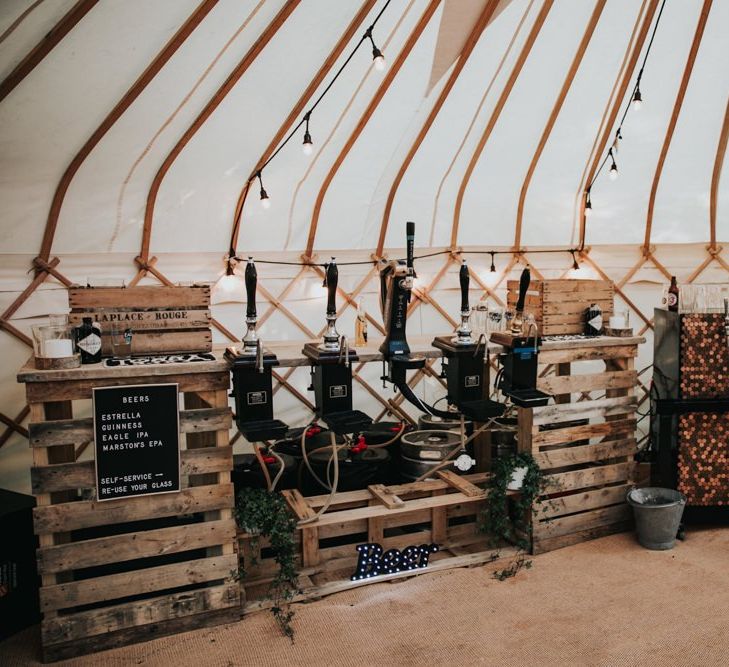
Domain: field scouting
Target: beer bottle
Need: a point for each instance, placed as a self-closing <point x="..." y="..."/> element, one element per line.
<point x="673" y="296"/>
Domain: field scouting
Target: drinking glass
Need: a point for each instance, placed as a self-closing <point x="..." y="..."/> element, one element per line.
<point x="496" y="320"/>
<point x="479" y="319"/>
<point x="121" y="341"/>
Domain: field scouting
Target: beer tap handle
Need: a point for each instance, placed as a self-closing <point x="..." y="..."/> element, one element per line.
<point x="251" y="279"/>
<point x="410" y="248"/>
<point x="332" y="280"/>
<point x="465" y="280"/>
<point x="523" y="288"/>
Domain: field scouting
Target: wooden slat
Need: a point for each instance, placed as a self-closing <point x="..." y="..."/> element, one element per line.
<point x="385" y="496"/>
<point x="136" y="298"/>
<point x="460" y="484"/>
<point x="560" y="307"/>
<point x="82" y="474"/>
<point x="142" y="320"/>
<point x="586" y="354"/>
<point x="142" y="633"/>
<point x="571" y="434"/>
<point x="541" y="546"/>
<point x="139" y="544"/>
<point x="576" y="502"/>
<point x="570" y="384"/>
<point x="298" y="504"/>
<point x="716" y="175"/>
<point x="569" y="456"/>
<point x="678" y="103"/>
<point x="582" y="479"/>
<point x="137" y="582"/>
<point x="40" y="392"/>
<point x="76" y="431"/>
<point x="109" y="619"/>
<point x="604" y="407"/>
<point x="87" y="514"/>
<point x="585" y="520"/>
<point x="171" y="341"/>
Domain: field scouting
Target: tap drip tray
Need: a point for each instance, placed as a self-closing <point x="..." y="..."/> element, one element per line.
<point x="528" y="398"/>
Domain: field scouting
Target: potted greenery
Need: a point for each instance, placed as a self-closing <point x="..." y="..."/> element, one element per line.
<point x="264" y="514"/>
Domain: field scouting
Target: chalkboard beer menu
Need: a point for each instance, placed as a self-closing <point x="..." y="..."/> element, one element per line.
<point x="136" y="432"/>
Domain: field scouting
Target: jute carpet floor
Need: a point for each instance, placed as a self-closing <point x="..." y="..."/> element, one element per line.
<point x="605" y="602"/>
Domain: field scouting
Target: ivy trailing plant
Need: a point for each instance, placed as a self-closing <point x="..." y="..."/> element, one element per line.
<point x="264" y="514"/>
<point x="505" y="522"/>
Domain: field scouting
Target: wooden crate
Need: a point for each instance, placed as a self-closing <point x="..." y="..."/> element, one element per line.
<point x="585" y="448"/>
<point x="127" y="570"/>
<point x="163" y="319"/>
<point x="443" y="511"/>
<point x="559" y="305"/>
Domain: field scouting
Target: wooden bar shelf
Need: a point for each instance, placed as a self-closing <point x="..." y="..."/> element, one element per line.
<point x="131" y="569"/>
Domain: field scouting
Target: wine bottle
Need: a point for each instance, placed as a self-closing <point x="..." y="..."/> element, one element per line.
<point x="360" y="325"/>
<point x="673" y="296"/>
<point x="88" y="341"/>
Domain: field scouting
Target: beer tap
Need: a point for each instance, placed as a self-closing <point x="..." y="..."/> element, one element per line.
<point x="251" y="342"/>
<point x="463" y="333"/>
<point x="518" y="321"/>
<point x="331" y="280"/>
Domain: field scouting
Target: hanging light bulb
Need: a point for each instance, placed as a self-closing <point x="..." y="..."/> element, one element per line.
<point x="308" y="145"/>
<point x="377" y="58"/>
<point x="230" y="287"/>
<point x="265" y="200"/>
<point x="493" y="266"/>
<point x="613" y="167"/>
<point x="588" y="203"/>
<point x="575" y="265"/>
<point x="637" y="98"/>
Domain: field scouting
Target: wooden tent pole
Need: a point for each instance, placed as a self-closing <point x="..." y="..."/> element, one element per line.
<point x="207" y="111"/>
<point x="332" y="58"/>
<point x="617" y="105"/>
<point x="392" y="72"/>
<point x="688" y="69"/>
<point x="496" y="113"/>
<point x="576" y="61"/>
<point x="716" y="175"/>
<point x="45" y="46"/>
<point x="121" y="106"/>
<point x="473" y="38"/>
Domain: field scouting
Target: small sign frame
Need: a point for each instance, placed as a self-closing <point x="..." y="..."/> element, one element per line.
<point x="136" y="440"/>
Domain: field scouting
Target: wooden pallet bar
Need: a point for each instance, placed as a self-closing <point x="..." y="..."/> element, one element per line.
<point x="119" y="571"/>
<point x="585" y="448"/>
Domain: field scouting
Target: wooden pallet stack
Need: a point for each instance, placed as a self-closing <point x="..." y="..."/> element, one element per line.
<point x="559" y="305"/>
<point x="128" y="570"/>
<point x="443" y="511"/>
<point x="585" y="442"/>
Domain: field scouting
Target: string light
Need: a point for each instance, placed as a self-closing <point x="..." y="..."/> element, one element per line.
<point x="308" y="145"/>
<point x="588" y="203"/>
<point x="613" y="167"/>
<point x="493" y="266"/>
<point x="265" y="200"/>
<point x="377" y="58"/>
<point x="575" y="265"/>
<point x="637" y="98"/>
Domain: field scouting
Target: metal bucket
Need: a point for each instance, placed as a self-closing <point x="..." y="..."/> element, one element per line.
<point x="421" y="451"/>
<point x="657" y="514"/>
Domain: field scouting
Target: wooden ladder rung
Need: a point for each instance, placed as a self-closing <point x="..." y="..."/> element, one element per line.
<point x="385" y="496"/>
<point x="460" y="484"/>
<point x="298" y="504"/>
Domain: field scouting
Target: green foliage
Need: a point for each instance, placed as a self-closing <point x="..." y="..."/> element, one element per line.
<point x="266" y="514"/>
<point x="509" y="518"/>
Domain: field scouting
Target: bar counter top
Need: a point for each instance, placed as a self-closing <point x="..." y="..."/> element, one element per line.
<point x="289" y="354"/>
